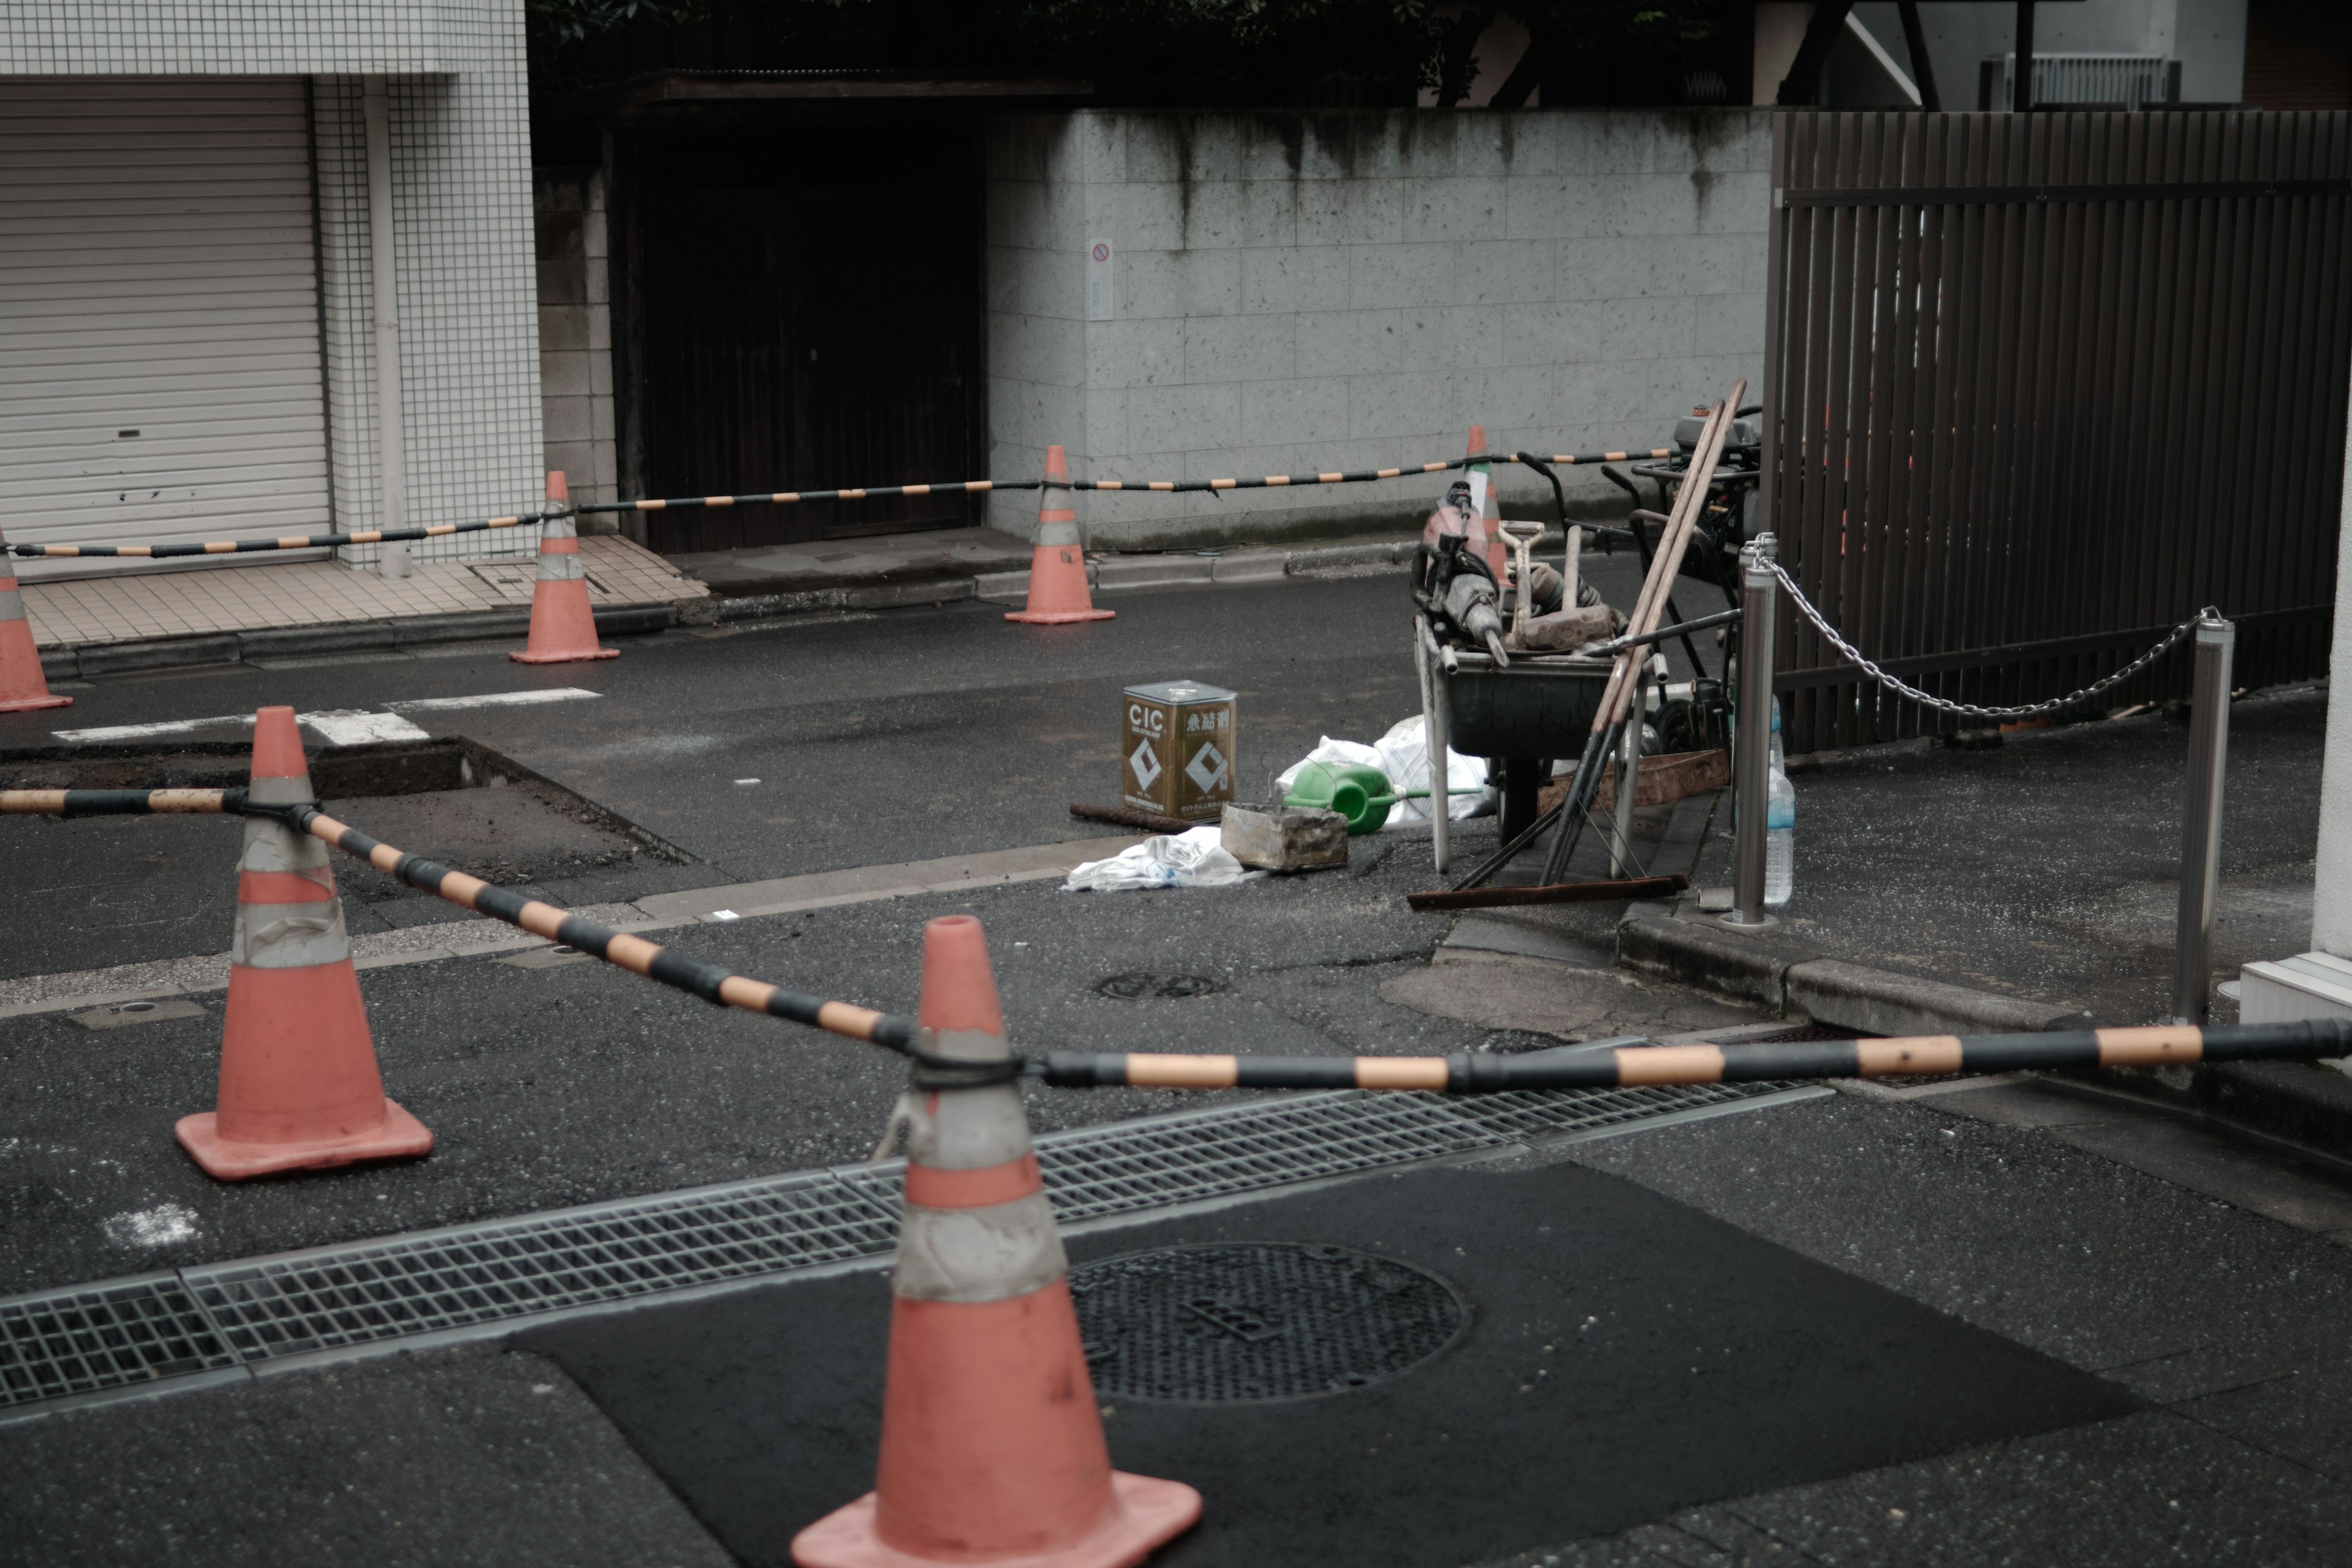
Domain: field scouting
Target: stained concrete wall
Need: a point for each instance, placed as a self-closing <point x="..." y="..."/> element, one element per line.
<point x="575" y="332"/>
<point x="1306" y="291"/>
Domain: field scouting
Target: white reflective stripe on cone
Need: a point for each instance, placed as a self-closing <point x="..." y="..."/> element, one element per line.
<point x="11" y="604"/>
<point x="989" y="1253"/>
<point x="289" y="936"/>
<point x="558" y="528"/>
<point x="970" y="1128"/>
<point x="561" y="569"/>
<point x="1056" y="533"/>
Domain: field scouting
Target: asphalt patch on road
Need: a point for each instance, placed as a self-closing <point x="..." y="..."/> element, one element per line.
<point x="1628" y="1357"/>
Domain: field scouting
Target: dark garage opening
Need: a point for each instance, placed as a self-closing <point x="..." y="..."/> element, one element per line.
<point x="802" y="312"/>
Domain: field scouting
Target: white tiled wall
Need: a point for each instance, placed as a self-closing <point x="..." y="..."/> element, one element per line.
<point x="1348" y="290"/>
<point x="250" y="37"/>
<point x="462" y="221"/>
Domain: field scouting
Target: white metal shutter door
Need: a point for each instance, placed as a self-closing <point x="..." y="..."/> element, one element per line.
<point x="160" y="376"/>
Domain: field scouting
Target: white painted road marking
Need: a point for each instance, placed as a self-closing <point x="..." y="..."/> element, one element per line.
<point x="339" y="726"/>
<point x="493" y="700"/>
<point x="354" y="727"/>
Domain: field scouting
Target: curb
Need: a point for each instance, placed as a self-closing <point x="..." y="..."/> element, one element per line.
<point x="1111" y="575"/>
<point x="1789" y="976"/>
<point x="358" y="637"/>
<point x="2305" y="1105"/>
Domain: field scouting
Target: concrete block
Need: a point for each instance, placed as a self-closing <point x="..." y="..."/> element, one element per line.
<point x="1241" y="348"/>
<point x="600" y="333"/>
<point x="118" y="658"/>
<point x="1015" y="145"/>
<point x="1399" y="276"/>
<point x="1557" y="333"/>
<point x="1708" y="955"/>
<point x="1190" y="418"/>
<point x="1506" y="396"/>
<point x="1106" y="428"/>
<point x="1729" y="323"/>
<point x="1654" y="328"/>
<point x="563" y="280"/>
<point x="1734" y="202"/>
<point x="1016" y="214"/>
<point x="1140" y="217"/>
<point x="1092" y="149"/>
<point x="1049" y="283"/>
<point x="566" y="419"/>
<point x="1608" y="394"/>
<point x="296" y="642"/>
<point x="1402" y="405"/>
<point x="1504" y="271"/>
<point x="1450" y="337"/>
<point x="565" y="372"/>
<point x="563" y="327"/>
<point x="1880" y="1001"/>
<point x="1289" y="278"/>
<point x="1002" y="587"/>
<point x="1180" y="283"/>
<point x="61" y="664"/>
<point x="1144" y="353"/>
<point x="1044" y="350"/>
<point x="1261" y="212"/>
<point x="1351" y="212"/>
<point x="1550" y="207"/>
<point x="896" y="596"/>
<point x="1305" y="413"/>
<point x="1251" y="566"/>
<point x="1453" y="210"/>
<point x="1120" y="575"/>
<point x="1349" y="342"/>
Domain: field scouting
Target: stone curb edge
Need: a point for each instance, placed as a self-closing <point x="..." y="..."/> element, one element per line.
<point x="1117" y="574"/>
<point x="2300" y="1104"/>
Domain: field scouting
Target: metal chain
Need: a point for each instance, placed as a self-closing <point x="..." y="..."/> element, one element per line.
<point x="2027" y="710"/>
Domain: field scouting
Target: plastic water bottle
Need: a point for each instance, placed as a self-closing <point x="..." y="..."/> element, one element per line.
<point x="1779" y="835"/>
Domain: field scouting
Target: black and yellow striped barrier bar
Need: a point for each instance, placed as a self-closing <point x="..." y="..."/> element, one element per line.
<point x="1924" y="1055"/>
<point x="286" y="542"/>
<point x="634" y="954"/>
<point x="1162" y="486"/>
<point x="119" y="802"/>
<point x="794" y="498"/>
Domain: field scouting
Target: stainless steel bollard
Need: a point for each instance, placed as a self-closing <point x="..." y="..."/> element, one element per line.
<point x="2200" y="834"/>
<point x="1629" y="776"/>
<point x="1752" y="756"/>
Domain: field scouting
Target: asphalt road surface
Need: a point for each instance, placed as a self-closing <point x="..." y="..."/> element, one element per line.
<point x="2203" y="1277"/>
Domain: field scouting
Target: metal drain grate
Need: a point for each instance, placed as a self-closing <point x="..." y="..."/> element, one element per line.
<point x="489" y="1273"/>
<point x="61" y="1344"/>
<point x="1257" y="1320"/>
<point x="103" y="1337"/>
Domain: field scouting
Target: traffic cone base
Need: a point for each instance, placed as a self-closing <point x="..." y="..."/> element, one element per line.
<point x="23" y="684"/>
<point x="1146" y="1514"/>
<point x="400" y="1136"/>
<point x="1057" y="589"/>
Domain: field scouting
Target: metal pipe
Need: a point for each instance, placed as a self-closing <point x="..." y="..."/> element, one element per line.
<point x="1628" y="774"/>
<point x="1751" y="754"/>
<point x="1435" y="735"/>
<point x="2200" y="834"/>
<point x="392" y="477"/>
<point x="2021" y="91"/>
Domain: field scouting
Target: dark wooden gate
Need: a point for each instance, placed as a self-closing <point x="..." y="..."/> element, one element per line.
<point x="2039" y="386"/>
<point x="800" y="330"/>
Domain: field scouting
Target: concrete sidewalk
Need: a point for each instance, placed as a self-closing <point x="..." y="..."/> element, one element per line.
<point x="149" y="620"/>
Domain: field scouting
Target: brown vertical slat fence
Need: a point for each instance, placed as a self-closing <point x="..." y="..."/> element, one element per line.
<point x="2039" y="386"/>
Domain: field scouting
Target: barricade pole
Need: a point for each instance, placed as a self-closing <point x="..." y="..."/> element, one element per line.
<point x="1927" y="1055"/>
<point x="285" y="541"/>
<point x="1752" y="756"/>
<point x="2200" y="838"/>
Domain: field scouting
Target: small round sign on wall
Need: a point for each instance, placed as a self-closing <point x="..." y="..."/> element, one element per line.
<point x="1102" y="251"/>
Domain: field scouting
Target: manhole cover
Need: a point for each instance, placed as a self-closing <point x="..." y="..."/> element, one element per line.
<point x="1138" y="986"/>
<point x="1257" y="1320"/>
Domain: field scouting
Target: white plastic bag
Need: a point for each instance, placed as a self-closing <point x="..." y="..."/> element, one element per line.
<point x="1189" y="859"/>
<point x="1403" y="756"/>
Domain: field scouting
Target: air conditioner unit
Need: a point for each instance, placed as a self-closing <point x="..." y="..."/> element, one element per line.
<point x="2126" y="81"/>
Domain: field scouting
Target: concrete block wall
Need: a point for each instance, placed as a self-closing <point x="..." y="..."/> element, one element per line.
<point x="575" y="332"/>
<point x="1303" y="292"/>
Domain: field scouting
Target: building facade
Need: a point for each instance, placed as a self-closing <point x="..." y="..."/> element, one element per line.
<point x="267" y="271"/>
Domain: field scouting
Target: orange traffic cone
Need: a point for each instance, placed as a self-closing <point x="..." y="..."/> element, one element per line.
<point x="298" y="1085"/>
<point x="1057" y="567"/>
<point x="562" y="627"/>
<point x="992" y="1445"/>
<point x="22" y="684"/>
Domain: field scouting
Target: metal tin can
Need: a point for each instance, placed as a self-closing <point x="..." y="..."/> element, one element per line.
<point x="1179" y="749"/>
